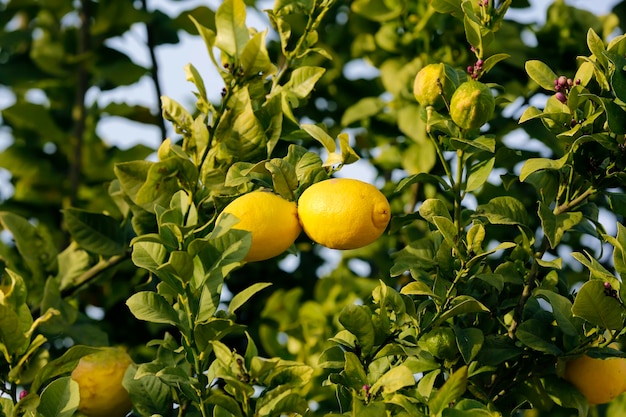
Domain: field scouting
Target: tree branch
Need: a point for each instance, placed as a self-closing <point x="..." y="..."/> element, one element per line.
<point x="79" y="111"/>
<point x="154" y="69"/>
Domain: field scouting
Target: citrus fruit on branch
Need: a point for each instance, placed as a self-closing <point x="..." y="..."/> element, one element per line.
<point x="433" y="86"/>
<point x="343" y="213"/>
<point x="472" y="105"/>
<point x="99" y="376"/>
<point x="272" y="221"/>
<point x="599" y="380"/>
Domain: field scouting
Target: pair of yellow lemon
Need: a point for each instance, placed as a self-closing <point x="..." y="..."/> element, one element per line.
<point x="338" y="213"/>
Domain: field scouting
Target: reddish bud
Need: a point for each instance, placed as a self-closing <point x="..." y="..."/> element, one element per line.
<point x="561" y="97"/>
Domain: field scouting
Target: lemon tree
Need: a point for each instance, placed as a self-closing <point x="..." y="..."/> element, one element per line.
<point x="471" y="183"/>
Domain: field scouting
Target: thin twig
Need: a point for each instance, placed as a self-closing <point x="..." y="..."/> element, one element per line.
<point x="92" y="273"/>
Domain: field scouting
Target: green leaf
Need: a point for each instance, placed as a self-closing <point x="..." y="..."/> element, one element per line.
<point x="354" y="373"/>
<point x="491" y="61"/>
<point x="180" y="264"/>
<point x="364" y="108"/>
<point x="479" y="173"/>
<point x="555" y="226"/>
<point x="447" y="229"/>
<point x="348" y="155"/>
<point x="421" y="178"/>
<point x="462" y="304"/>
<point x="396" y="378"/>
<point x="284" y="177"/>
<point x="35" y="247"/>
<point x="358" y="321"/>
<point x="12" y="335"/>
<point x="243" y="296"/>
<point x="255" y="60"/>
<point x="472" y="31"/>
<point x="331" y="358"/>
<point x="432" y="208"/>
<point x="596" y="46"/>
<point x="148" y="394"/>
<point x="132" y="176"/>
<point x="226" y="402"/>
<point x="498" y="349"/>
<point x="504" y="210"/>
<point x="303" y="80"/>
<point x="377" y="10"/>
<point x="164" y="179"/>
<point x="450" y="392"/>
<point x="59" y="398"/>
<point x="417" y="288"/>
<point x="281" y="401"/>
<point x="469" y="341"/>
<point x="149" y="255"/>
<point x="95" y="232"/>
<point x="531" y="333"/>
<point x="619" y="249"/>
<point x="561" y="309"/>
<point x="535" y="164"/>
<point x="593" y="305"/>
<point x="152" y="307"/>
<point x="426" y="384"/>
<point x="541" y="74"/>
<point x="452" y="7"/>
<point x="232" y="32"/>
<point x="214" y="329"/>
<point x="35" y="117"/>
<point x="564" y="395"/>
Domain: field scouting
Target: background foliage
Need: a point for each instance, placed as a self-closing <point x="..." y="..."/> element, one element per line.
<point x="502" y="240"/>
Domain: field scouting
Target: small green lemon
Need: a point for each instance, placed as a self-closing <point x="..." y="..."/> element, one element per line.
<point x="440" y="342"/>
<point x="99" y="377"/>
<point x="272" y="220"/>
<point x="472" y="105"/>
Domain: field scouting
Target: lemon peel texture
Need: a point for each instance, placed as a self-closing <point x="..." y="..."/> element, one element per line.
<point x="343" y="213"/>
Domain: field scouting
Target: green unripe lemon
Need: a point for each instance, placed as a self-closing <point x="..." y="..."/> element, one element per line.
<point x="431" y="84"/>
<point x="440" y="342"/>
<point x="472" y="105"/>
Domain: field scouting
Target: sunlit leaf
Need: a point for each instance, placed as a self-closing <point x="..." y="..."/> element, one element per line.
<point x="595" y="306"/>
<point x="450" y="392"/>
<point x="232" y="32"/>
<point x="152" y="307"/>
<point x="60" y="398"/>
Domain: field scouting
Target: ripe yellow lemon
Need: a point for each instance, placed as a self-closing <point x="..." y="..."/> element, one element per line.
<point x="599" y="380"/>
<point x="343" y="213"/>
<point x="272" y="220"/>
<point x="99" y="377"/>
<point x="432" y="85"/>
